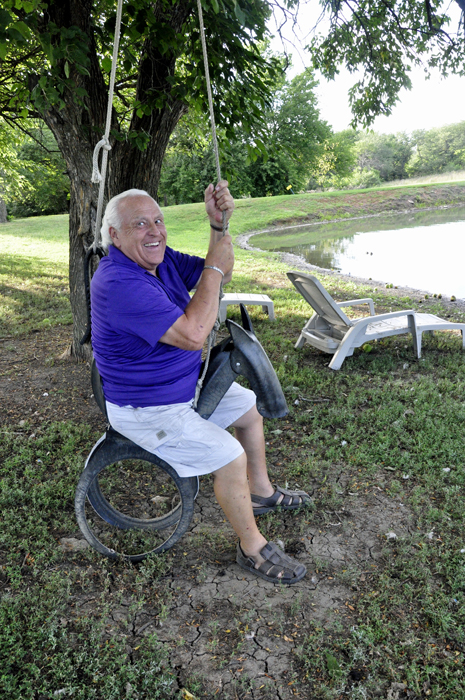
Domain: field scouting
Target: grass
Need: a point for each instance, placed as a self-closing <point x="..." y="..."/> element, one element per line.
<point x="453" y="176"/>
<point x="69" y="621"/>
<point x="408" y="623"/>
<point x="49" y="642"/>
<point x="34" y="274"/>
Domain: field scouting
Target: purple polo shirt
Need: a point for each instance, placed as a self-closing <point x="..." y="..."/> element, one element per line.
<point x="131" y="310"/>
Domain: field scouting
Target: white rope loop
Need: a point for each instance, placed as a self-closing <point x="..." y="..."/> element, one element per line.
<point x="103" y="143"/>
<point x="99" y="176"/>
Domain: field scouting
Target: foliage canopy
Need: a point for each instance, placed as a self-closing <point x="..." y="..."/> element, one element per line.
<point x="384" y="40"/>
<point x="54" y="54"/>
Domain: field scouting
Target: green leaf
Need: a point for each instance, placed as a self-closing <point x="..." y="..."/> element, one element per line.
<point x="23" y="29"/>
<point x="45" y="40"/>
<point x="67" y="69"/>
<point x="3" y="51"/>
<point x="5" y="18"/>
<point x="15" y="35"/>
<point x="106" y="64"/>
<point x="82" y="70"/>
<point x="216" y="7"/>
<point x="332" y="663"/>
<point x="239" y="14"/>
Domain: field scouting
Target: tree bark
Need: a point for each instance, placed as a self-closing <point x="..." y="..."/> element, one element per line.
<point x="79" y="126"/>
<point x="3" y="214"/>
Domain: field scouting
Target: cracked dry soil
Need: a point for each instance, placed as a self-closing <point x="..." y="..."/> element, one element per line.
<point x="237" y="634"/>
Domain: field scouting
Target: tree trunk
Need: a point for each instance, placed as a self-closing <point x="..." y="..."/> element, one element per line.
<point x="3" y="214"/>
<point x="79" y="126"/>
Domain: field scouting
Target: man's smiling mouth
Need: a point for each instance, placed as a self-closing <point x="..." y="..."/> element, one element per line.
<point x="151" y="245"/>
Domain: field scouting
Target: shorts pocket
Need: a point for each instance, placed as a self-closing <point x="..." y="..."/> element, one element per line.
<point x="147" y="427"/>
<point x="202" y="445"/>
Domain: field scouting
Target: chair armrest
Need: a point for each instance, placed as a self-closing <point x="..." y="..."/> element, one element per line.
<point x="357" y="334"/>
<point x="362" y="322"/>
<point x="354" y="302"/>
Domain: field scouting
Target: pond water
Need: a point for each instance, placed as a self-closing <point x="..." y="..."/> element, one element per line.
<point x="422" y="250"/>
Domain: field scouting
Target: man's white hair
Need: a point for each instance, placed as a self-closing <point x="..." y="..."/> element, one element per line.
<point x="112" y="217"/>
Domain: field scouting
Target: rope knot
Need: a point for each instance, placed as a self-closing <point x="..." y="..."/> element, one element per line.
<point x="105" y="144"/>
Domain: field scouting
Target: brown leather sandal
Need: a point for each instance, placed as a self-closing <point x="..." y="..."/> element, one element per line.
<point x="291" y="501"/>
<point x="278" y="567"/>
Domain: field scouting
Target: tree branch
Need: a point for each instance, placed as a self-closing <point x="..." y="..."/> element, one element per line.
<point x="16" y="125"/>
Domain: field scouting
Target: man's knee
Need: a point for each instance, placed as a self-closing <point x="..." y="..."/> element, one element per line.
<point x="251" y="419"/>
<point x="236" y="469"/>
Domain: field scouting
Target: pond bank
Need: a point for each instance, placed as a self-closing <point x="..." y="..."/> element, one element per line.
<point x="330" y="206"/>
<point x="370" y="205"/>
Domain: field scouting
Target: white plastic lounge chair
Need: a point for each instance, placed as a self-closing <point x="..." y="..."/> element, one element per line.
<point x="330" y="330"/>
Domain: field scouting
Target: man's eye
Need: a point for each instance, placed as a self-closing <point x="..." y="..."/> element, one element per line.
<point x="159" y="221"/>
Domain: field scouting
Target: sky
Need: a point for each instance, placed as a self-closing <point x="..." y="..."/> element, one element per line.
<point x="429" y="104"/>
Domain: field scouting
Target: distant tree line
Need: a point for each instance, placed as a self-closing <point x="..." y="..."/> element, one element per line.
<point x="303" y="155"/>
<point x="379" y="158"/>
<point x="300" y="154"/>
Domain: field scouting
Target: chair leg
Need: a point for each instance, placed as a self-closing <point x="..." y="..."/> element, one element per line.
<point x="344" y="350"/>
<point x="222" y="313"/>
<point x="301" y="342"/>
<point x="416" y="335"/>
<point x="268" y="308"/>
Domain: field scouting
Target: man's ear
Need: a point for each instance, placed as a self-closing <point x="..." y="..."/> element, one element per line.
<point x="114" y="236"/>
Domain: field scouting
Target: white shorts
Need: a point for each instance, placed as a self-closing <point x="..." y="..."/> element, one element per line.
<point x="176" y="433"/>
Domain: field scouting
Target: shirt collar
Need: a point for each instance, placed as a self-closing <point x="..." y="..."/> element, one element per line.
<point x="116" y="255"/>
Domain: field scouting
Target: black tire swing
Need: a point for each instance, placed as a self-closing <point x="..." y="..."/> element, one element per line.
<point x="117" y="519"/>
<point x="129" y="503"/>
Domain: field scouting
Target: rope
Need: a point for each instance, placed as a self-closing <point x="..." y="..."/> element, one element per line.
<point x="210" y="101"/>
<point x="105" y="140"/>
<point x="213" y="332"/>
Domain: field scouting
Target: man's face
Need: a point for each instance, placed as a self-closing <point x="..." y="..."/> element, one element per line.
<point x="142" y="234"/>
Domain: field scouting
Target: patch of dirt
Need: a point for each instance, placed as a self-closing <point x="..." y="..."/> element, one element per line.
<point x="239" y="635"/>
<point x="36" y="386"/>
<point x="228" y="614"/>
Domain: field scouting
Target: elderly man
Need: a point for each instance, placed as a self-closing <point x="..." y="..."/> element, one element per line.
<point x="147" y="336"/>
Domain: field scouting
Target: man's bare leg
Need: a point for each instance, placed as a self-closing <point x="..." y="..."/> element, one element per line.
<point x="249" y="432"/>
<point x="233" y="495"/>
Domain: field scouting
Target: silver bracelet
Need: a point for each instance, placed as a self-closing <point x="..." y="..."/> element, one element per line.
<point x="212" y="267"/>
